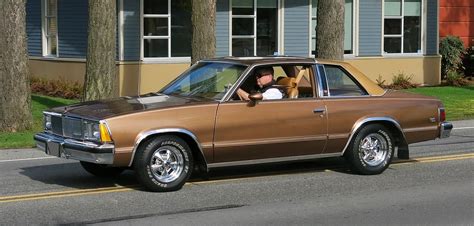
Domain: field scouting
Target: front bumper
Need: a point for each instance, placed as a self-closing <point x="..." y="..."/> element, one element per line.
<point x="445" y="130"/>
<point x="77" y="150"/>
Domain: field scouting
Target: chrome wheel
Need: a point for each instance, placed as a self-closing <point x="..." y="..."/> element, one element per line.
<point x="167" y="164"/>
<point x="373" y="149"/>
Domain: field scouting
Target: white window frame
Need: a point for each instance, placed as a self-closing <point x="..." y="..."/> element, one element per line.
<point x="168" y="37"/>
<point x="44" y="30"/>
<point x="355" y="29"/>
<point x="422" y="30"/>
<point x="254" y="36"/>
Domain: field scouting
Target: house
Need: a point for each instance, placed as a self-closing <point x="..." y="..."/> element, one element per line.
<point x="382" y="37"/>
<point x="456" y="17"/>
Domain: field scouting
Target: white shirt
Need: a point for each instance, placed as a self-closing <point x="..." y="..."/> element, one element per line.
<point x="272" y="94"/>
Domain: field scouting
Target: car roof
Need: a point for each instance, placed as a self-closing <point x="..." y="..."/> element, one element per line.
<point x="263" y="60"/>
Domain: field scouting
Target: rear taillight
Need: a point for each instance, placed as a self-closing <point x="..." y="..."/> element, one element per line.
<point x="442" y="115"/>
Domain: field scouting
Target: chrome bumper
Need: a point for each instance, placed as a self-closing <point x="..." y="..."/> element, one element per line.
<point x="445" y="130"/>
<point x="72" y="149"/>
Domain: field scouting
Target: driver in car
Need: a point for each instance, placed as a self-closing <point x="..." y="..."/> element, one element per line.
<point x="265" y="84"/>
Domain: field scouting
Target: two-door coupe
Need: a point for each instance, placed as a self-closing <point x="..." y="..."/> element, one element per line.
<point x="198" y="122"/>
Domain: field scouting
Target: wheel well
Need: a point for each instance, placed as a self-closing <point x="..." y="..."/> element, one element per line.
<point x="400" y="141"/>
<point x="199" y="161"/>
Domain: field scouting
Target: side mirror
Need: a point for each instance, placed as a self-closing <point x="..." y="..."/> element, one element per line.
<point x="254" y="97"/>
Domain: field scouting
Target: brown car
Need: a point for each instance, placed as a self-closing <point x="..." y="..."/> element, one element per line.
<point x="199" y="122"/>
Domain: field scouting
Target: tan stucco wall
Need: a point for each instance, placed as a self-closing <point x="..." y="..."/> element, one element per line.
<point x="425" y="70"/>
<point x="138" y="78"/>
<point x="134" y="78"/>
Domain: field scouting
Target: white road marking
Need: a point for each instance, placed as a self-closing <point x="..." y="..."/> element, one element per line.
<point x="462" y="128"/>
<point x="27" y="159"/>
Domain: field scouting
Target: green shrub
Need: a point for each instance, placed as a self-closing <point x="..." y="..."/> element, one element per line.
<point x="468" y="62"/>
<point x="451" y="49"/>
<point x="402" y="81"/>
<point x="380" y="81"/>
<point x="455" y="79"/>
<point x="56" y="88"/>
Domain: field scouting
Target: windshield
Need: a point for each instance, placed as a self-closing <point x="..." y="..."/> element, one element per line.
<point x="208" y="80"/>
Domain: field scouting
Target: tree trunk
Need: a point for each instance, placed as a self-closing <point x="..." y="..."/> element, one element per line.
<point x="330" y="30"/>
<point x="15" y="99"/>
<point x="204" y="35"/>
<point x="101" y="79"/>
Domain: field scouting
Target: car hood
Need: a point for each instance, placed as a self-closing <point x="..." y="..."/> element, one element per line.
<point x="102" y="109"/>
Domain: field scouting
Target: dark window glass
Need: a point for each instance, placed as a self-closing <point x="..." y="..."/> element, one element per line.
<point x="156" y="7"/>
<point x="155" y="27"/>
<point x="393" y="45"/>
<point x="267" y="21"/>
<point x="393" y="27"/>
<point x="181" y="28"/>
<point x="411" y="34"/>
<point x="242" y="7"/>
<point x="340" y="83"/>
<point x="242" y="47"/>
<point x="242" y="26"/>
<point x="156" y="47"/>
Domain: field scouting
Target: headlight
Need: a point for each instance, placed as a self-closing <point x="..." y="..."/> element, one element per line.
<point x="91" y="131"/>
<point x="47" y="122"/>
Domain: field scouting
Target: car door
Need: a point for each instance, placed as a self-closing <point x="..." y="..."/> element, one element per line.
<point x="270" y="130"/>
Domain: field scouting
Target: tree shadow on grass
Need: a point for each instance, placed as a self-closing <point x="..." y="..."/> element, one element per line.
<point x="46" y="101"/>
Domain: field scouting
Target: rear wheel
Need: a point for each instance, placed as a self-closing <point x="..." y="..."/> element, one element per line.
<point x="101" y="170"/>
<point x="164" y="164"/>
<point x="372" y="149"/>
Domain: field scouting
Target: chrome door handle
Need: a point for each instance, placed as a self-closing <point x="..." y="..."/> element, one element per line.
<point x="319" y="111"/>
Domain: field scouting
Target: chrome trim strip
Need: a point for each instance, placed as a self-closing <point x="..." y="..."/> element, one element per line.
<point x="52" y="113"/>
<point x="360" y="123"/>
<point x="272" y="160"/>
<point x="269" y="141"/>
<point x="338" y="136"/>
<point x="419" y="129"/>
<point x="146" y="134"/>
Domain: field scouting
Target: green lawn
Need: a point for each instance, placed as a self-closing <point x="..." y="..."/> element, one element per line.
<point x="25" y="138"/>
<point x="458" y="101"/>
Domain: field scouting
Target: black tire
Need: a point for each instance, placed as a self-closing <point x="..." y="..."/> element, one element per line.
<point x="100" y="170"/>
<point x="164" y="163"/>
<point x="371" y="151"/>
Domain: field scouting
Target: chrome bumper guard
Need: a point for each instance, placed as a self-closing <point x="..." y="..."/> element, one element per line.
<point x="72" y="149"/>
<point x="445" y="130"/>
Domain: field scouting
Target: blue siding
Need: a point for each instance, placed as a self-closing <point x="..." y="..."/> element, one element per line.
<point x="72" y="28"/>
<point x="33" y="27"/>
<point x="370" y="28"/>
<point x="432" y="27"/>
<point x="131" y="29"/>
<point x="296" y="32"/>
<point x="222" y="28"/>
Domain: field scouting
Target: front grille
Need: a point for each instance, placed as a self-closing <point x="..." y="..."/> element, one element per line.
<point x="57" y="125"/>
<point x="72" y="127"/>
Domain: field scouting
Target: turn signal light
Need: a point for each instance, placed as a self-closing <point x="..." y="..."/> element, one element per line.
<point x="104" y="134"/>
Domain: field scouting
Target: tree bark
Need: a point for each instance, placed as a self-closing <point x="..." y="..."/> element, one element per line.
<point x="204" y="34"/>
<point x="101" y="79"/>
<point x="15" y="99"/>
<point x="330" y="30"/>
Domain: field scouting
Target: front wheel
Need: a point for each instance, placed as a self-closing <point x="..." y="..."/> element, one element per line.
<point x="164" y="163"/>
<point x="372" y="150"/>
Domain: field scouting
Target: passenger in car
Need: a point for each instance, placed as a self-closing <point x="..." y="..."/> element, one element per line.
<point x="265" y="84"/>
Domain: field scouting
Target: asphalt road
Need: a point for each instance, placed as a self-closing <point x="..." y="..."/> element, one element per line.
<point x="436" y="187"/>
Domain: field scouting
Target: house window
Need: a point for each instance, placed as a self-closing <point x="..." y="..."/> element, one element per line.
<point x="50" y="28"/>
<point x="254" y="27"/>
<point x="402" y="26"/>
<point x="348" y="26"/>
<point x="166" y="28"/>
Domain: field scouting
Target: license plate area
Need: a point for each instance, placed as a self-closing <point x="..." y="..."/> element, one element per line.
<point x="53" y="148"/>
